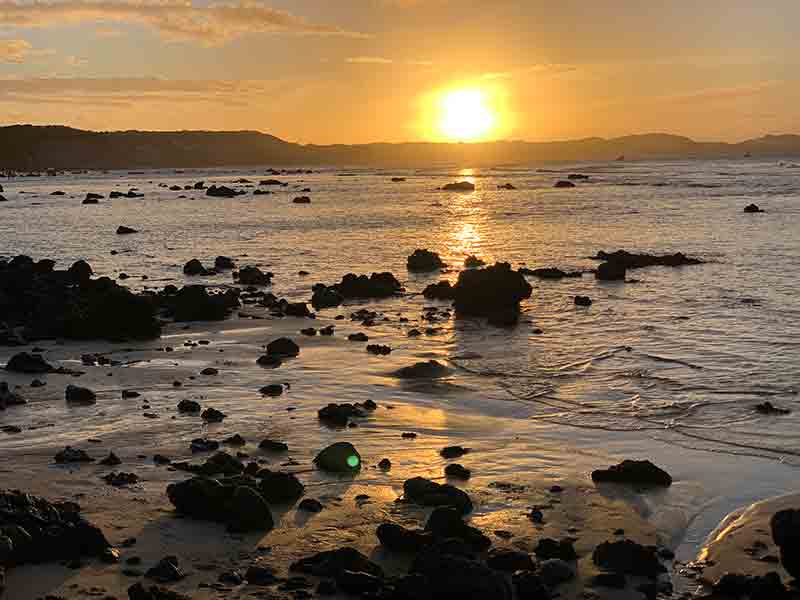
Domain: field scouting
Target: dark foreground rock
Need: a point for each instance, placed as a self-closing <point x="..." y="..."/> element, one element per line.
<point x="629" y="558"/>
<point x="636" y="472"/>
<point x="236" y="502"/>
<point x="9" y="398"/>
<point x="429" y="493"/>
<point x="785" y="528"/>
<point x="195" y="303"/>
<point x="631" y="260"/>
<point x="254" y="276"/>
<point x="38" y="302"/>
<point x="449" y="577"/>
<point x="125" y="230"/>
<point x="341" y="457"/>
<point x="139" y="592"/>
<point x="550" y="273"/>
<point x="333" y="563"/>
<point x="377" y="285"/>
<point x="424" y="260"/>
<point x="491" y="291"/>
<point x="753" y="208"/>
<point x="38" y="531"/>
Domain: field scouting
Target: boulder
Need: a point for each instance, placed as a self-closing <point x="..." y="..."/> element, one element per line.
<point x="377" y="285"/>
<point x="222" y="192"/>
<point x="430" y="369"/>
<point x="72" y="455"/>
<point x="283" y="347"/>
<point x="278" y="487"/>
<point x="254" y="276"/>
<point x="194" y="268"/>
<point x="636" y="472"/>
<point x="564" y="183"/>
<point x="439" y="291"/>
<point x="509" y="560"/>
<point x="194" y="303"/>
<point x="582" y="301"/>
<point x="339" y="415"/>
<point x="548" y="548"/>
<point x="399" y="539"/>
<point x="554" y="572"/>
<point x="326" y="297"/>
<point x="424" y="260"/>
<point x="30" y="364"/>
<point x="302" y="200"/>
<point x="332" y="563"/>
<point x="452" y="577"/>
<point x="124" y="230"/>
<point x="631" y="260"/>
<point x="79" y="395"/>
<point x="473" y="262"/>
<point x="629" y="558"/>
<point x="484" y="292"/>
<point x="224" y="263"/>
<point x="429" y="493"/>
<point x="341" y="457"/>
<point x="785" y="529"/>
<point x="459" y="186"/>
<point x="506" y="186"/>
<point x="753" y="208"/>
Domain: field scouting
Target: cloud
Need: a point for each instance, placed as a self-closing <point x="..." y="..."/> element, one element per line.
<point x="369" y="60"/>
<point x="538" y="69"/>
<point x="14" y="51"/>
<point x="210" y="25"/>
<point x="724" y="93"/>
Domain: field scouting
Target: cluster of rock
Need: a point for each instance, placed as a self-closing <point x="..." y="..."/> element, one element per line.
<point x="494" y="292"/>
<point x="377" y="285"/>
<point x="38" y="301"/>
<point x="617" y="263"/>
<point x="424" y="260"/>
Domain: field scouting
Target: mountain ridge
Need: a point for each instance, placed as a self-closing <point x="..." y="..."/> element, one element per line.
<point x="33" y="147"/>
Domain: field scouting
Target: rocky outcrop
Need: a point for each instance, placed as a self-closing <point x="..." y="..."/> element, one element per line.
<point x="253" y="276"/>
<point x="38" y="301"/>
<point x="429" y="493"/>
<point x="195" y="303"/>
<point x="495" y="290"/>
<point x="631" y="260"/>
<point x="377" y="285"/>
<point x="422" y="260"/>
<point x="459" y="186"/>
<point x="550" y="273"/>
<point x="753" y="208"/>
<point x="636" y="472"/>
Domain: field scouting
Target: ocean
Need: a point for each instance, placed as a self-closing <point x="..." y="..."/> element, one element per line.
<point x="669" y="368"/>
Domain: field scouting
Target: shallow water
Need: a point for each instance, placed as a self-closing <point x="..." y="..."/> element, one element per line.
<point x="668" y="368"/>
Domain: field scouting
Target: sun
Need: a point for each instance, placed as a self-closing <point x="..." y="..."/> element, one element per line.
<point x="465" y="115"/>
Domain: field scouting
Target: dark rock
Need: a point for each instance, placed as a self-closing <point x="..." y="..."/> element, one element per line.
<point x="189" y="406"/>
<point x="29" y="364"/>
<point x="127" y="394"/>
<point x="92" y="198"/>
<point x="283" y="347"/>
<point x="309" y="331"/>
<point x="339" y="414"/>
<point x="439" y="291"/>
<point x="326" y="297"/>
<point x="583" y="301"/>
<point x="473" y="262"/>
<point x="241" y="507"/>
<point x="577" y="176"/>
<point x="112" y="460"/>
<point x="310" y="505"/>
<point x="563" y="183"/>
<point x="785" y="529"/>
<point x="550" y="273"/>
<point x="767" y="408"/>
<point x="399" y="539"/>
<point x="222" y="192"/>
<point x="278" y="487"/>
<point x="203" y="445"/>
<point x="629" y="558"/>
<point x="124" y="230"/>
<point x="484" y="292"/>
<point x="452" y="577"/>
<point x="194" y="267"/>
<point x="212" y="415"/>
<point x="555" y="571"/>
<point x="38" y="531"/>
<point x="453" y="452"/>
<point x="221" y="463"/>
<point x="423" y="370"/>
<point x="260" y="575"/>
<point x="358" y="583"/>
<point x="636" y="472"/>
<point x="608" y="271"/>
<point x="753" y="208"/>
<point x="209" y="371"/>
<point x="506" y="186"/>
<point x="341" y="457"/>
<point x="121" y="479"/>
<point x="509" y="560"/>
<point x="9" y="398"/>
<point x="79" y="395"/>
<point x="562" y="549"/>
<point x="385" y="464"/>
<point x="457" y="471"/>
<point x="358" y="337"/>
<point x="138" y="592"/>
<point x="332" y="563"/>
<point x="529" y="586"/>
<point x="165" y="571"/>
<point x="377" y="285"/>
<point x="254" y="276"/>
<point x="429" y="493"/>
<point x="224" y="263"/>
<point x="273" y="390"/>
<point x="269" y="360"/>
<point x="617" y="581"/>
<point x="72" y="455"/>
<point x="194" y="303"/>
<point x="302" y="200"/>
<point x="631" y="260"/>
<point x="379" y="350"/>
<point x="460" y="186"/>
<point x="273" y="446"/>
<point x="234" y="440"/>
<point x="424" y="260"/>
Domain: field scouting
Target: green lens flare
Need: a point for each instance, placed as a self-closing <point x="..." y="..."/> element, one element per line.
<point x="352" y="461"/>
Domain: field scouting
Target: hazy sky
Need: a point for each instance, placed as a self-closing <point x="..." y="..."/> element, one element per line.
<point x="331" y="71"/>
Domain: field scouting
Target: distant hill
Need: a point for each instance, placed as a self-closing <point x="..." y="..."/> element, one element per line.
<point x="28" y="147"/>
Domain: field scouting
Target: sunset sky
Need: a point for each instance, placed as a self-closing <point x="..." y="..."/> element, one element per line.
<point x="348" y="71"/>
